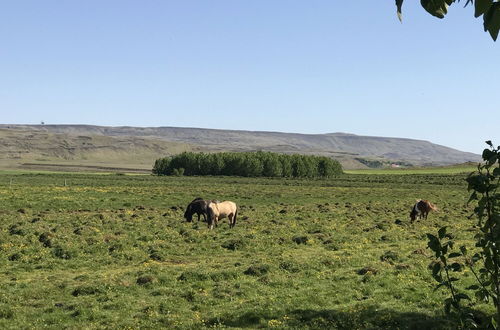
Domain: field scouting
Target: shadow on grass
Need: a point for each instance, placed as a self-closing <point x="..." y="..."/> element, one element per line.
<point x="360" y="318"/>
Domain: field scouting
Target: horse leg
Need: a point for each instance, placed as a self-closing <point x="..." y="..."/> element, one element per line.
<point x="210" y="222"/>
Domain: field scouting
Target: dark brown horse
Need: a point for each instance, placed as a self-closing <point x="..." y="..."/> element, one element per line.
<point x="198" y="206"/>
<point x="421" y="209"/>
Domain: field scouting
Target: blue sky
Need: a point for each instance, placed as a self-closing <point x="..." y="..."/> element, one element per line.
<point x="285" y="65"/>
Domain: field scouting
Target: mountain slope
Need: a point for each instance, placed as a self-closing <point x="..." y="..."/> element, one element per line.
<point x="127" y="144"/>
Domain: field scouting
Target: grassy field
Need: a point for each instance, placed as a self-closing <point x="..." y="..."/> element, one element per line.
<point x="456" y="169"/>
<point x="107" y="251"/>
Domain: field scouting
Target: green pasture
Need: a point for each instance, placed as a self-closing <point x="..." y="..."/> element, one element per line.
<point x="113" y="251"/>
<point x="461" y="169"/>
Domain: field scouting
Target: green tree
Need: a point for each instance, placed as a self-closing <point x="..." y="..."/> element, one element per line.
<point x="215" y="164"/>
<point x="299" y="169"/>
<point x="327" y="168"/>
<point x="251" y="164"/>
<point x="272" y="165"/>
<point x="286" y="166"/>
<point x="489" y="9"/>
<point x="161" y="166"/>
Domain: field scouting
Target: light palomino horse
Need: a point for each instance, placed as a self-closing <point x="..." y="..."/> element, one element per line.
<point x="222" y="210"/>
<point x="421" y="209"/>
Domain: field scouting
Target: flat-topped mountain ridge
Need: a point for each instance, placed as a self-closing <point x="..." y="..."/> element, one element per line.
<point x="124" y="144"/>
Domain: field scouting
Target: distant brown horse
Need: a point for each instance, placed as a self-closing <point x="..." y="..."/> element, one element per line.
<point x="222" y="210"/>
<point x="421" y="209"/>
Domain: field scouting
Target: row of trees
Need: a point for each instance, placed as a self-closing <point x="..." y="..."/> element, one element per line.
<point x="249" y="164"/>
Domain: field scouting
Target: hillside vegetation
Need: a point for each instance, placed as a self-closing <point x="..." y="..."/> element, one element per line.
<point x="41" y="149"/>
<point x="136" y="145"/>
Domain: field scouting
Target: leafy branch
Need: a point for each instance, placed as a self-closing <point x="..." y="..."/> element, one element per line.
<point x="484" y="184"/>
<point x="489" y="9"/>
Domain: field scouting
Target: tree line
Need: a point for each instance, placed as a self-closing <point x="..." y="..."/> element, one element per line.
<point x="248" y="164"/>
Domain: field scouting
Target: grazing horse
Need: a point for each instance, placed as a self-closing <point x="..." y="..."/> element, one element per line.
<point x="421" y="209"/>
<point x="221" y="210"/>
<point x="198" y="206"/>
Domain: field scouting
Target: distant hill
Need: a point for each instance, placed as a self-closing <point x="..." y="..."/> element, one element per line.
<point x="138" y="147"/>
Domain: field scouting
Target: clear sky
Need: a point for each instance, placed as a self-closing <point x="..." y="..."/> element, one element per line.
<point x="315" y="66"/>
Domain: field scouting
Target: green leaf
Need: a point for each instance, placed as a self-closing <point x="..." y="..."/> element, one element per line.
<point x="456" y="267"/>
<point x="462" y="296"/>
<point x="481" y="7"/>
<point x="399" y="5"/>
<point x="436" y="269"/>
<point x="454" y="255"/>
<point x="488" y="263"/>
<point x="477" y="182"/>
<point x="442" y="232"/>
<point x="487" y="153"/>
<point x="483" y="271"/>
<point x="434" y="244"/>
<point x="496" y="171"/>
<point x="472" y="197"/>
<point x="463" y="249"/>
<point x="492" y="20"/>
<point x="437" y="8"/>
<point x="447" y="306"/>
<point x="472" y="287"/>
<point x="482" y="295"/>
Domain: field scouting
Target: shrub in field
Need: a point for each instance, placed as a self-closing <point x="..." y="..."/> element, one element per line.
<point x="257" y="270"/>
<point x="485" y="263"/>
<point x="45" y="239"/>
<point x="146" y="279"/>
<point x="249" y="164"/>
<point x="85" y="291"/>
<point x="63" y="252"/>
<point x="300" y="239"/>
<point x="289" y="266"/>
<point x="234" y="244"/>
<point x="390" y="257"/>
<point x="16" y="230"/>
